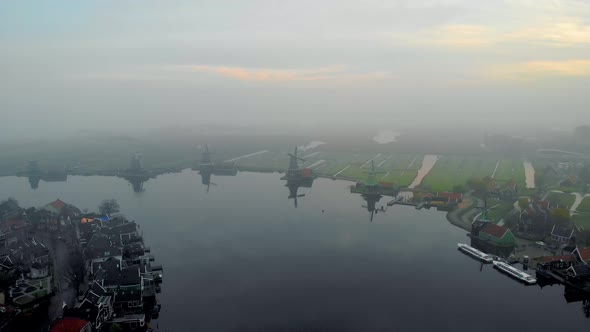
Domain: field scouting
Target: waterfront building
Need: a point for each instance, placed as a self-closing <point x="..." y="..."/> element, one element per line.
<point x="561" y="262"/>
<point x="96" y="307"/>
<point x="492" y="238"/>
<point x="582" y="255"/>
<point x="579" y="272"/>
<point x="562" y="234"/>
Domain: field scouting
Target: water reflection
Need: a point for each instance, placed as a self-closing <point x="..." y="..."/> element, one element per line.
<point x="136" y="182"/>
<point x="208" y="168"/>
<point x="297" y="177"/>
<point x="34" y="181"/>
<point x="372" y="201"/>
<point x="35" y="174"/>
<point x="572" y="295"/>
<point x="136" y="174"/>
<point x="372" y="190"/>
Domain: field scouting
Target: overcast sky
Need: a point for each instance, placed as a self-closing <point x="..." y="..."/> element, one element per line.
<point x="71" y="65"/>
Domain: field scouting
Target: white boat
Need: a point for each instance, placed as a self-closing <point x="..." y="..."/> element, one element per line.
<point x="514" y="272"/>
<point x="475" y="253"/>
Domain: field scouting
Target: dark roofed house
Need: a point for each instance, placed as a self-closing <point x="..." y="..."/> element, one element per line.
<point x="582" y="255"/>
<point x="125" y="232"/>
<point x="580" y="271"/>
<point x="125" y="282"/>
<point x="9" y="209"/>
<point x="561" y="234"/>
<point x="97" y="306"/>
<point x="32" y="252"/>
<point x="535" y="218"/>
<point x="556" y="262"/>
<point x="100" y="247"/>
<point x="111" y="263"/>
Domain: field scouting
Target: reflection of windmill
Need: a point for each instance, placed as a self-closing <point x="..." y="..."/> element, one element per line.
<point x="208" y="168"/>
<point x="293" y="193"/>
<point x="33" y="172"/>
<point x="206" y="179"/>
<point x="135" y="174"/>
<point x="371" y="190"/>
<point x="297" y="177"/>
<point x="371" y="202"/>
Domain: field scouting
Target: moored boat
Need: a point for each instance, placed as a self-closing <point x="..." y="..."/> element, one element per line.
<point x="475" y="253"/>
<point x="514" y="272"/>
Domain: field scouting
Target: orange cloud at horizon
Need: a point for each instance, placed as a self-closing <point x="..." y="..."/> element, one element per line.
<point x="265" y="74"/>
<point x="550" y="32"/>
<point x="338" y="72"/>
<point x="539" y="69"/>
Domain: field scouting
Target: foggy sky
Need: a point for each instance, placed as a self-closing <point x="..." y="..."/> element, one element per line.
<point x="74" y="65"/>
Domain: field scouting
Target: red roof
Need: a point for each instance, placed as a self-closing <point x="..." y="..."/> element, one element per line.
<point x="13" y="225"/>
<point x="58" y="204"/>
<point x="494" y="230"/>
<point x="544" y="204"/>
<point x="69" y="325"/>
<point x="565" y="258"/>
<point x="584" y="253"/>
<point x="450" y="196"/>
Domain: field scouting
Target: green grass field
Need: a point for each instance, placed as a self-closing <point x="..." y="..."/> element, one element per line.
<point x="584" y="206"/>
<point x="510" y="169"/>
<point x="563" y="199"/>
<point x="499" y="209"/>
<point x="582" y="221"/>
<point x="452" y="170"/>
<point x="400" y="169"/>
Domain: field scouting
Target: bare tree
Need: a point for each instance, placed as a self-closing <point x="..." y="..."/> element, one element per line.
<point x="109" y="206"/>
<point x="76" y="270"/>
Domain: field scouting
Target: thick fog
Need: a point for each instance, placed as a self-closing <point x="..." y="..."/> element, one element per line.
<point x="117" y="65"/>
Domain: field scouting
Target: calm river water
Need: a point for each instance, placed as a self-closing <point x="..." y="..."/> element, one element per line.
<point x="242" y="258"/>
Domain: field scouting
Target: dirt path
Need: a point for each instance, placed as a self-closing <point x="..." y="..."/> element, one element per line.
<point x="427" y="165"/>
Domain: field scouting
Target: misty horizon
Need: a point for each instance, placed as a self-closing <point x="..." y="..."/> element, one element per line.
<point x="73" y="66"/>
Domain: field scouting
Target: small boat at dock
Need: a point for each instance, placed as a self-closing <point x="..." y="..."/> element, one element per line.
<point x="514" y="272"/>
<point x="475" y="253"/>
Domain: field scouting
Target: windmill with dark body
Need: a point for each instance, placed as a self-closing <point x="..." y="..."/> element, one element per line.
<point x="372" y="190"/>
<point x="136" y="174"/>
<point x="208" y="168"/>
<point x="297" y="177"/>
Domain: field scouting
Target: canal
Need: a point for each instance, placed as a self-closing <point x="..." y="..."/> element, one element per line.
<point x="241" y="257"/>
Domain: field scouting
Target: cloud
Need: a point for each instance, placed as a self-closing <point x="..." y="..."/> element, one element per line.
<point x="461" y="36"/>
<point x="555" y="32"/>
<point x="534" y="70"/>
<point x="273" y="75"/>
<point x="339" y="72"/>
<point x="549" y="32"/>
